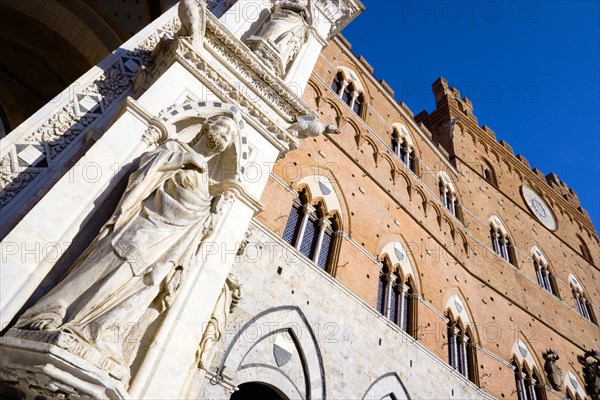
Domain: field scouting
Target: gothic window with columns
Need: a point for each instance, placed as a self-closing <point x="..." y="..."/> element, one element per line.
<point x="583" y="249"/>
<point x="336" y="85"/>
<point x="311" y="231"/>
<point x="396" y="299"/>
<point x="348" y="91"/>
<point x="570" y="396"/>
<point x="488" y="174"/>
<point x="461" y="350"/>
<point x="501" y="243"/>
<point x="403" y="149"/>
<point x="529" y="386"/>
<point x="448" y="195"/>
<point x="544" y="275"/>
<point x="584" y="307"/>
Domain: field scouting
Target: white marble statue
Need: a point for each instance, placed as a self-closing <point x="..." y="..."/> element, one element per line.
<point x="310" y="126"/>
<point x="286" y="28"/>
<point x="228" y="301"/>
<point x="192" y="15"/>
<point x="143" y="252"/>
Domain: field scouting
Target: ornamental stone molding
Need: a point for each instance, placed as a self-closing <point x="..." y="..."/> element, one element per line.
<point x="37" y="153"/>
<point x="132" y="114"/>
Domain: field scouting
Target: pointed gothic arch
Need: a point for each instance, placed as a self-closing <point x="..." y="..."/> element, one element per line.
<point x="289" y="320"/>
<point x="388" y="385"/>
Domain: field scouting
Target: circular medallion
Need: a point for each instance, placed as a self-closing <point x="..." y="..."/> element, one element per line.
<point x="539" y="207"/>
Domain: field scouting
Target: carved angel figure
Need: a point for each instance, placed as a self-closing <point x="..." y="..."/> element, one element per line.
<point x="142" y="253"/>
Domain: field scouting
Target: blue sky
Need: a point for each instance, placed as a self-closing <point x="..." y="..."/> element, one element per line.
<point x="531" y="69"/>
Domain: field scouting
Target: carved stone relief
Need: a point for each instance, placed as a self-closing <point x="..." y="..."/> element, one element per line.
<point x="280" y="38"/>
<point x="135" y="266"/>
<point x="553" y="372"/>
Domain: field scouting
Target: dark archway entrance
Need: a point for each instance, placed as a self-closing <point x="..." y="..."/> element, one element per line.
<point x="255" y="391"/>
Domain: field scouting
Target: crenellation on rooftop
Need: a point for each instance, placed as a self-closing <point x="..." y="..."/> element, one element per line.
<point x="420" y="116"/>
<point x="507" y="146"/>
<point x="522" y="158"/>
<point x="406" y="109"/>
<point x="366" y="64"/>
<point x="489" y="131"/>
<point x="344" y="41"/>
<point x="387" y="87"/>
<point x="538" y="173"/>
<point x="449" y="104"/>
<point x="425" y="130"/>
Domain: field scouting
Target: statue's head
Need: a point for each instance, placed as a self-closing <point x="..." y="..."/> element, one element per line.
<point x="219" y="132"/>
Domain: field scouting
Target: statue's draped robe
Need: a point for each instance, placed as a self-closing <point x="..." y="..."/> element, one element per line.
<point x="158" y="225"/>
<point x="287" y="30"/>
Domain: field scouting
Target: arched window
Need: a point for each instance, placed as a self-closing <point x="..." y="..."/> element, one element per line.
<point x="387" y="293"/>
<point x="348" y="91"/>
<point x="501" y="242"/>
<point x="403" y="149"/>
<point x="357" y="103"/>
<point x="529" y="387"/>
<point x="408" y="309"/>
<point x="543" y="273"/>
<point x="584" y="307"/>
<point x="488" y="174"/>
<point x="395" y="143"/>
<point x="310" y="231"/>
<point x="448" y="194"/>
<point x="544" y="276"/>
<point x="396" y="300"/>
<point x="583" y="249"/>
<point x="337" y="83"/>
<point x="461" y="350"/>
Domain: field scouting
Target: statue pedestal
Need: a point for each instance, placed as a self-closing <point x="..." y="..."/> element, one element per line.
<point x="267" y="52"/>
<point x="43" y="363"/>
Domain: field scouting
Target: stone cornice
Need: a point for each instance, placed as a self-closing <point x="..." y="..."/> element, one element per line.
<point x="247" y="67"/>
<point x="238" y="77"/>
<point x="182" y="52"/>
<point x="339" y="12"/>
<point x="398" y="106"/>
<point x="483" y="136"/>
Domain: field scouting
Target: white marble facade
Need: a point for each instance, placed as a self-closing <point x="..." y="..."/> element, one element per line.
<point x="134" y="193"/>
